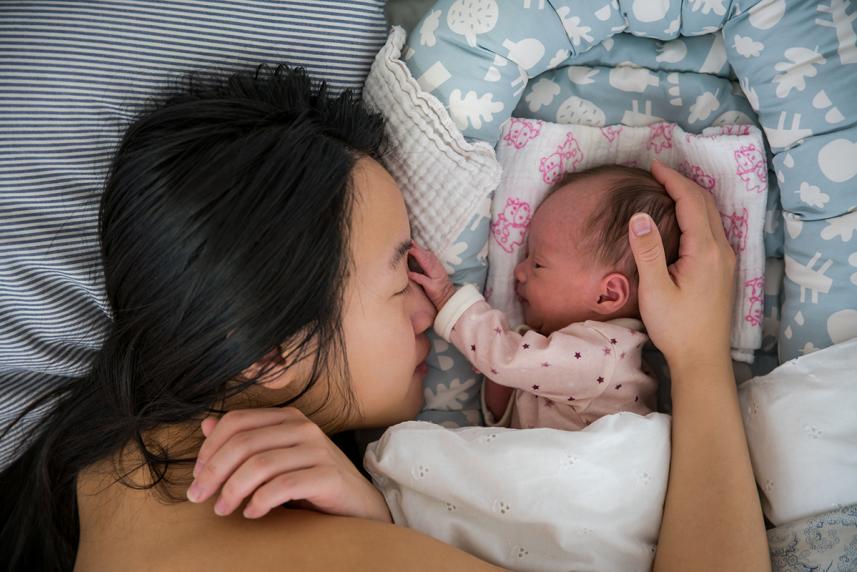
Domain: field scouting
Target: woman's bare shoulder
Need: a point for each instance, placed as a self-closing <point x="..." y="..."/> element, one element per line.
<point x="128" y="529"/>
<point x="306" y="540"/>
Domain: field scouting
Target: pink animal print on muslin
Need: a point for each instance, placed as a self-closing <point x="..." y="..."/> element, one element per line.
<point x="660" y="137"/>
<point x="755" y="290"/>
<point x="611" y="132"/>
<point x="736" y="225"/>
<point x="510" y="228"/>
<point x="566" y="158"/>
<point x="697" y="175"/>
<point x="734" y="129"/>
<point x="752" y="168"/>
<point x="522" y="131"/>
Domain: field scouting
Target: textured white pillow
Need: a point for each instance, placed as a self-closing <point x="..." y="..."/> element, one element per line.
<point x="535" y="499"/>
<point x="801" y="424"/>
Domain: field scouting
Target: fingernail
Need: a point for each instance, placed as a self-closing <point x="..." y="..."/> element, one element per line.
<point x="641" y="224"/>
<point x="194" y="493"/>
<point x="220" y="507"/>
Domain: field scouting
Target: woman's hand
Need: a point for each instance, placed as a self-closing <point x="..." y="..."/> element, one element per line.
<point x="276" y="455"/>
<point x="434" y="279"/>
<point x="687" y="308"/>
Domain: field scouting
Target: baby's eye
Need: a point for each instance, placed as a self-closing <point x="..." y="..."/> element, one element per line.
<point x="537" y="265"/>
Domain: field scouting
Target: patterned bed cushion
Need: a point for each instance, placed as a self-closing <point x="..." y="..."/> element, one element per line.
<point x="73" y="72"/>
<point x="487" y="60"/>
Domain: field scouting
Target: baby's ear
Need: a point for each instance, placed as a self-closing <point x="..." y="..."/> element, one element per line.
<point x="613" y="293"/>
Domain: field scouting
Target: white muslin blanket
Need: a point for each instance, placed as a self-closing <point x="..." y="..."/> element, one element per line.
<point x="728" y="160"/>
<point x="536" y="499"/>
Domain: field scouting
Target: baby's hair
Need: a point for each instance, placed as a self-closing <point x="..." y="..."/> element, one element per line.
<point x="629" y="190"/>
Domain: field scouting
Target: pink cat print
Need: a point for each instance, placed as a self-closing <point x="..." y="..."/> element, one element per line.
<point x="755" y="297"/>
<point x="566" y="158"/>
<point x="734" y="129"/>
<point x="522" y="131"/>
<point x="752" y="168"/>
<point x="660" y="137"/>
<point x="611" y="132"/>
<point x="696" y="174"/>
<point x="510" y="228"/>
<point x="736" y="225"/>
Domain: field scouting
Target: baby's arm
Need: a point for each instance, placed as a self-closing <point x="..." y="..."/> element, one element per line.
<point x="439" y="290"/>
<point x="531" y="362"/>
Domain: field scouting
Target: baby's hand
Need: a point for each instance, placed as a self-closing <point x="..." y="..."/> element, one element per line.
<point x="276" y="455"/>
<point x="434" y="280"/>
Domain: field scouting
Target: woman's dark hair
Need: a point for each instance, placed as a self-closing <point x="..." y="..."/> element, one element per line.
<point x="224" y="229"/>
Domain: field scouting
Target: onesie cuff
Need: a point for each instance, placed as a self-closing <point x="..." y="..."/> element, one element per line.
<point x="505" y="420"/>
<point x="446" y="318"/>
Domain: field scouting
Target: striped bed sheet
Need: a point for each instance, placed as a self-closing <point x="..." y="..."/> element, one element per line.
<point x="72" y="73"/>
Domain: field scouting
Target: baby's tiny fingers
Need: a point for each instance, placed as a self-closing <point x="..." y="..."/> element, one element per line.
<point x="420" y="279"/>
<point x="430" y="263"/>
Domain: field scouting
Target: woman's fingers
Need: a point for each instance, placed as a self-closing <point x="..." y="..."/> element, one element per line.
<point x="296" y="485"/>
<point x="690" y="208"/>
<point x="261" y="468"/>
<point x="241" y="420"/>
<point x="715" y="221"/>
<point x="207" y="426"/>
<point x="648" y="250"/>
<point x="243" y="446"/>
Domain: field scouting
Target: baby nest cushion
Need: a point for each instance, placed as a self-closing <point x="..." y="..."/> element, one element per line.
<point x="74" y="74"/>
<point x="534" y="499"/>
<point x="801" y="425"/>
<point x="797" y="68"/>
<point x="727" y="161"/>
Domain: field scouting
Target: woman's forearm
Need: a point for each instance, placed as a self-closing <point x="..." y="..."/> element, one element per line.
<point x="712" y="516"/>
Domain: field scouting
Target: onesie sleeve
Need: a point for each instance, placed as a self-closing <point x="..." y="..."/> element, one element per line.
<point x="575" y="363"/>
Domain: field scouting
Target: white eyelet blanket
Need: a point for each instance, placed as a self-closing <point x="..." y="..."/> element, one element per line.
<point x="536" y="499"/>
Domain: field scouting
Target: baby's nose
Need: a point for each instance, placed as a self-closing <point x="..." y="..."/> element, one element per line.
<point x="520" y="273"/>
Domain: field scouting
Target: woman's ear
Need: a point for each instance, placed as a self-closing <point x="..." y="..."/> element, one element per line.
<point x="276" y="376"/>
<point x="614" y="291"/>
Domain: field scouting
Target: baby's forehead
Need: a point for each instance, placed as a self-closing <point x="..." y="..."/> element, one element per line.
<point x="572" y="203"/>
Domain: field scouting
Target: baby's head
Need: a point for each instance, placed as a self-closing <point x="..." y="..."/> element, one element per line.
<point x="579" y="264"/>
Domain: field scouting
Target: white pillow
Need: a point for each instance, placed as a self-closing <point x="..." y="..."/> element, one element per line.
<point x="801" y="424"/>
<point x="534" y="499"/>
<point x="728" y="160"/>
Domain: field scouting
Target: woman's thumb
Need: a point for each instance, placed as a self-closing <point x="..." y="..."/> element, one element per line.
<point x="648" y="249"/>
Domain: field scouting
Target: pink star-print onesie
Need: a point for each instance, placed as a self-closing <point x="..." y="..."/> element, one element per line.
<point x="564" y="381"/>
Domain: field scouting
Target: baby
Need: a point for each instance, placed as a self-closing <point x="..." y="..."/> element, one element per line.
<point x="578" y="357"/>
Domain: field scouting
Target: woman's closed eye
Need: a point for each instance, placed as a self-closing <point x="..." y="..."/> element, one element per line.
<point x="404" y="290"/>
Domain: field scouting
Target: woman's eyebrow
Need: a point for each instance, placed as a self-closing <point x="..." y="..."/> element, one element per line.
<point x="399" y="255"/>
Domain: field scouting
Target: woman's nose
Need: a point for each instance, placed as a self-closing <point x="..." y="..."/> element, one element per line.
<point x="421" y="309"/>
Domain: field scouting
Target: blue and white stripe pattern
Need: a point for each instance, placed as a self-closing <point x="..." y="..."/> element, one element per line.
<point x="71" y="74"/>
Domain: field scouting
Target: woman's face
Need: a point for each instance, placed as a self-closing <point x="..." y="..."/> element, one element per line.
<point x="384" y="320"/>
<point x="384" y="316"/>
